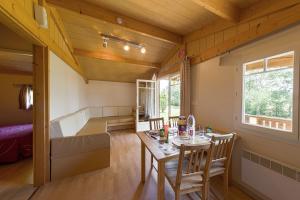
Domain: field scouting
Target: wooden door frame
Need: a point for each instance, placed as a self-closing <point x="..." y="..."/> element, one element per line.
<point x="41" y="140"/>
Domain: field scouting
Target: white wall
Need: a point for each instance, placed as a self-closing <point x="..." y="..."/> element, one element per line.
<point x="212" y="94"/>
<point x="68" y="90"/>
<point x="213" y="99"/>
<point x="105" y="93"/>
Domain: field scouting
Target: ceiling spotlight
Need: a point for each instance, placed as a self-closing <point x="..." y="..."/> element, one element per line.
<point x="143" y="50"/>
<point x="105" y="42"/>
<point x="119" y="20"/>
<point x="126" y="47"/>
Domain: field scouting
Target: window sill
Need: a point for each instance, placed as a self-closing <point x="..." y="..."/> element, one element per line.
<point x="273" y="134"/>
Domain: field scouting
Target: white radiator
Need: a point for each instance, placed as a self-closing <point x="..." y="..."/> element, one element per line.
<point x="275" y="180"/>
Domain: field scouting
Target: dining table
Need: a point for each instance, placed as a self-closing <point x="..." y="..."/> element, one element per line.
<point x="163" y="152"/>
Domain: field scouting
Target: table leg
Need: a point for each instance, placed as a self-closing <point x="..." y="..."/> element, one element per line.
<point x="143" y="162"/>
<point x="161" y="181"/>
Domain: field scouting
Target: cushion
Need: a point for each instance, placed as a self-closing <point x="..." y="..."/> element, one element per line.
<point x="187" y="182"/>
<point x="93" y="126"/>
<point x="69" y="125"/>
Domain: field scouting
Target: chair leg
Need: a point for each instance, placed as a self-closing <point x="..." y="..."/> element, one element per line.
<point x="177" y="195"/>
<point x="205" y="191"/>
<point x="225" y="183"/>
<point x="151" y="161"/>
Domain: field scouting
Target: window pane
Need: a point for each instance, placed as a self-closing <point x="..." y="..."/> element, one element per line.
<point x="163" y="99"/>
<point x="175" y="100"/>
<point x="281" y="61"/>
<point x="268" y="96"/>
<point x="254" y="67"/>
<point x="175" y="80"/>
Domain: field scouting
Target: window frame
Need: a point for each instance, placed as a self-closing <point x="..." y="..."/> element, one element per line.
<point x="265" y="131"/>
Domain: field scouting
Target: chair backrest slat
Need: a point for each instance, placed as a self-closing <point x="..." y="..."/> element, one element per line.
<point x="194" y="157"/>
<point x="173" y="121"/>
<point x="156" y="123"/>
<point x="224" y="147"/>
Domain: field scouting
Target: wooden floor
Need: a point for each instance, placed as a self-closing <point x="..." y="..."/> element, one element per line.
<point x="122" y="180"/>
<point x="16" y="180"/>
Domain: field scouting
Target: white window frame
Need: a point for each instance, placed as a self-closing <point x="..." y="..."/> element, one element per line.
<point x="292" y="136"/>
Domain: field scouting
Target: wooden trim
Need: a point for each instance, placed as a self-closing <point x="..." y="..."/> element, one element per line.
<point x="59" y="23"/>
<point x="103" y="14"/>
<point x="112" y="57"/>
<point x="222" y="8"/>
<point x="7" y="70"/>
<point x="172" y="70"/>
<point x="41" y="141"/>
<point x="17" y="52"/>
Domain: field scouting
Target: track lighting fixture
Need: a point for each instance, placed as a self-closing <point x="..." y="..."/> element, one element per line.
<point x="126" y="43"/>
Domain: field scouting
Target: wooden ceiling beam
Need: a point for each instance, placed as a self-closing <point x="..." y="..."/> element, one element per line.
<point x="112" y="57"/>
<point x="222" y="8"/>
<point x="106" y="15"/>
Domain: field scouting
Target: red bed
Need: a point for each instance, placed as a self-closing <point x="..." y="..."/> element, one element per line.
<point x="15" y="142"/>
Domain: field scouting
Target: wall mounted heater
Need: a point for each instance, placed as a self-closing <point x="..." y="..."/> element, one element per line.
<point x="271" y="178"/>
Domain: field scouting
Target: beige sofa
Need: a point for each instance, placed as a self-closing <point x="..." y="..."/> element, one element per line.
<point x="80" y="141"/>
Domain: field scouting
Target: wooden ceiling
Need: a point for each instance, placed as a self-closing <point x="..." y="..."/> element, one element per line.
<point x="15" y="53"/>
<point x="158" y="25"/>
<point x="177" y="16"/>
<point x="119" y="72"/>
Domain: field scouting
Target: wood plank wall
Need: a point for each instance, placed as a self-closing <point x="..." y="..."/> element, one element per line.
<point x="172" y="63"/>
<point x="222" y="37"/>
<point x="55" y="37"/>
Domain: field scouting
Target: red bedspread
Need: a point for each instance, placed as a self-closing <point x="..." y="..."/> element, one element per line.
<point x="15" y="142"/>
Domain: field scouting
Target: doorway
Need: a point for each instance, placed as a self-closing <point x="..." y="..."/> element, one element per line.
<point x="24" y="140"/>
<point x="169" y="96"/>
<point x="146" y="103"/>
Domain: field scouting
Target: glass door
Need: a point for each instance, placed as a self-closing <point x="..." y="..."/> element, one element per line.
<point x="169" y="96"/>
<point x="146" y="90"/>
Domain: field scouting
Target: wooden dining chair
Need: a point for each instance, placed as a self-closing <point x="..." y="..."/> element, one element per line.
<point x="173" y="121"/>
<point x="188" y="174"/>
<point x="155" y="124"/>
<point x="222" y="157"/>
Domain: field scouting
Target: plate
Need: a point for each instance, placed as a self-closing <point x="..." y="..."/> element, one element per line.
<point x="178" y="141"/>
<point x="168" y="149"/>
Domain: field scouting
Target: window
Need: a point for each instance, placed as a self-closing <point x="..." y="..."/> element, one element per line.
<point x="169" y="96"/>
<point x="175" y="95"/>
<point x="26" y="97"/>
<point x="268" y="86"/>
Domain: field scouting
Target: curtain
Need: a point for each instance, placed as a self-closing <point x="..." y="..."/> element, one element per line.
<point x="185" y="87"/>
<point x="150" y="100"/>
<point x="25" y="97"/>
